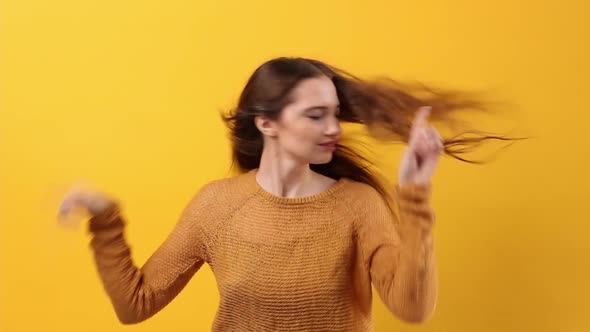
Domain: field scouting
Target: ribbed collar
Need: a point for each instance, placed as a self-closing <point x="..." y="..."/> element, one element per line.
<point x="252" y="183"/>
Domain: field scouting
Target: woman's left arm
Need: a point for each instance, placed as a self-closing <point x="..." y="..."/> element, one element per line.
<point x="398" y="251"/>
<point x="399" y="247"/>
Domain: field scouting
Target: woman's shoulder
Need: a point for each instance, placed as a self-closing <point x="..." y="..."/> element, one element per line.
<point x="218" y="197"/>
<point x="358" y="189"/>
<point x="225" y="189"/>
<point x="357" y="194"/>
<point x="362" y="199"/>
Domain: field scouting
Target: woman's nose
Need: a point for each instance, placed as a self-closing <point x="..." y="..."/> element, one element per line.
<point x="333" y="128"/>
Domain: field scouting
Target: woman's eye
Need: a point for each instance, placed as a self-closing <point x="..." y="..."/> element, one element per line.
<point x="314" y="117"/>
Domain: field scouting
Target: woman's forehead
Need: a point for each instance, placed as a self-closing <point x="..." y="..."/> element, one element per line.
<point x="320" y="92"/>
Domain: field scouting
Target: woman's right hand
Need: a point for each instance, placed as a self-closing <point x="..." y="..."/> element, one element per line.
<point x="93" y="202"/>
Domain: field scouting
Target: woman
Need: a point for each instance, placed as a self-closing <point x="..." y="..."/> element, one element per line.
<point x="299" y="237"/>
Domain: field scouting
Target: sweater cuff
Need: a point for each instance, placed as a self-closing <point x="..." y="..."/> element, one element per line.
<point x="109" y="217"/>
<point x="414" y="192"/>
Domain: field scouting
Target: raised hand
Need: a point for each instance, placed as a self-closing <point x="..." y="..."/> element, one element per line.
<point x="419" y="162"/>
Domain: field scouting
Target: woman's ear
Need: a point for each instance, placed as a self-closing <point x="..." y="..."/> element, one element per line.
<point x="266" y="126"/>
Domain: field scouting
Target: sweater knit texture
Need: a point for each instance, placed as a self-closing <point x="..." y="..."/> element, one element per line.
<point x="282" y="264"/>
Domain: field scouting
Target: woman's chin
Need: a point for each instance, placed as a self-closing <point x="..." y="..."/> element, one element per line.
<point x="322" y="159"/>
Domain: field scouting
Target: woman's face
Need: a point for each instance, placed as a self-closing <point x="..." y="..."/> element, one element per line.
<point x="308" y="128"/>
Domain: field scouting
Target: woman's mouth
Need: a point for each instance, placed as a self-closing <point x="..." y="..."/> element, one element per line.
<point x="329" y="146"/>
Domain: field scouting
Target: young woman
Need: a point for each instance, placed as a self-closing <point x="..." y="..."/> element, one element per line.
<point x="299" y="237"/>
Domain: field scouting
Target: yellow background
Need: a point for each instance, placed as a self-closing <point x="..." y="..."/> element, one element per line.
<point x="125" y="95"/>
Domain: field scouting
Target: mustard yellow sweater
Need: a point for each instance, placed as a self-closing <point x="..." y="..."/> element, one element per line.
<point x="282" y="264"/>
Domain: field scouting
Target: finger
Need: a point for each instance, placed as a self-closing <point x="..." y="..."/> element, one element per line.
<point x="426" y="141"/>
<point x="418" y="140"/>
<point x="66" y="206"/>
<point x="419" y="124"/>
<point x="421" y="117"/>
<point x="424" y="136"/>
<point x="435" y="138"/>
<point x="69" y="203"/>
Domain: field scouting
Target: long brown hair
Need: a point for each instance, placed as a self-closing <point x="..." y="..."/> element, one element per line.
<point x="386" y="107"/>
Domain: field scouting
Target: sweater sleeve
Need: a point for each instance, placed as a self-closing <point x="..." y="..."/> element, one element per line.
<point x="398" y="251"/>
<point x="138" y="293"/>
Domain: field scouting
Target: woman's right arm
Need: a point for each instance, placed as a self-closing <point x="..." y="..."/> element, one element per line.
<point x="139" y="293"/>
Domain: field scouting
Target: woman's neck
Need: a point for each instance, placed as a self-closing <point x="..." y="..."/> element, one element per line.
<point x="284" y="176"/>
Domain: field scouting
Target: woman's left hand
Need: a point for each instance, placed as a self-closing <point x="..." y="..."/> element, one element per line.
<point x="425" y="145"/>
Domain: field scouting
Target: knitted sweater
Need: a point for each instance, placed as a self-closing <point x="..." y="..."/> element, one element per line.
<point x="282" y="264"/>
